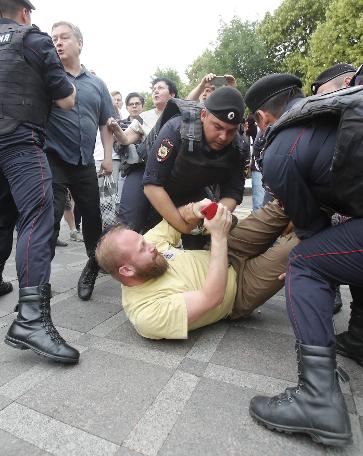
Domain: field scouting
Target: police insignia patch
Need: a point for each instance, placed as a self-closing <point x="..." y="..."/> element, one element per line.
<point x="164" y="150"/>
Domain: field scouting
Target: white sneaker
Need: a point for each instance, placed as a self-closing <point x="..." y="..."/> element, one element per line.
<point x="76" y="236"/>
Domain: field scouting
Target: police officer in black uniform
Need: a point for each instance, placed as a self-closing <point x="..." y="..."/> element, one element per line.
<point x="31" y="78"/>
<point x="297" y="168"/>
<point x="180" y="167"/>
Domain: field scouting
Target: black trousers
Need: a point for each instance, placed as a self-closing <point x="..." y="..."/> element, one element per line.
<point x="316" y="266"/>
<point x="83" y="185"/>
<point x="26" y="201"/>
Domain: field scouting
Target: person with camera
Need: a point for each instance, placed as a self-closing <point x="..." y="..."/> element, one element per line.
<point x="208" y="84"/>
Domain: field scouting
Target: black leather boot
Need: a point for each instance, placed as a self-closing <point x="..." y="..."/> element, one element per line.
<point x="315" y="406"/>
<point x="86" y="282"/>
<point x="338" y="303"/>
<point x="5" y="287"/>
<point x="350" y="343"/>
<point x="34" y="329"/>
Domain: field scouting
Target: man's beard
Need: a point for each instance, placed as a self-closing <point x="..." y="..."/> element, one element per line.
<point x="154" y="270"/>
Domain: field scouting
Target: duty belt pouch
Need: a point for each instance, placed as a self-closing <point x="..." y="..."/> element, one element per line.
<point x="108" y="202"/>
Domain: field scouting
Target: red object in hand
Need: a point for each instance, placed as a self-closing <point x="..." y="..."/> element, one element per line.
<point x="210" y="211"/>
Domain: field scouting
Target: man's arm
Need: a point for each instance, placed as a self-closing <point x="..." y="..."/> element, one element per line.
<point x="212" y="293"/>
<point x="125" y="137"/>
<point x="107" y="143"/>
<point x="229" y="203"/>
<point x="67" y="103"/>
<point x="197" y="91"/>
<point x="161" y="201"/>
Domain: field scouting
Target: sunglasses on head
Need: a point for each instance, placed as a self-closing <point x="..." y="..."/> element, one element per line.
<point x="357" y="79"/>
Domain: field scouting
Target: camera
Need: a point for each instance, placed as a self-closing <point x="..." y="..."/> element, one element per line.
<point x="219" y="81"/>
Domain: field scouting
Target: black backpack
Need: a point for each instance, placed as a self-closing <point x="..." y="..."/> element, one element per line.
<point x="345" y="108"/>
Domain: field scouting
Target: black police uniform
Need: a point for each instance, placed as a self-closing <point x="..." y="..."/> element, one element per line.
<point x="185" y="175"/>
<point x="25" y="177"/>
<point x="296" y="167"/>
<point x="31" y="77"/>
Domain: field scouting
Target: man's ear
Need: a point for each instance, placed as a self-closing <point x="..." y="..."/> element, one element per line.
<point x="126" y="271"/>
<point x="347" y="81"/>
<point x="203" y="114"/>
<point x="264" y="119"/>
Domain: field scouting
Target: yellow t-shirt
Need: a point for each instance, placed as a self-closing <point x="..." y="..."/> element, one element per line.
<point x="157" y="308"/>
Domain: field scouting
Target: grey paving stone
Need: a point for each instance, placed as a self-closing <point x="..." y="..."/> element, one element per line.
<point x="109" y="325"/>
<point x="15" y="362"/>
<point x="359" y="405"/>
<point x="83" y="315"/>
<point x="361" y="423"/>
<point x="4" y="401"/>
<point x="355" y="372"/>
<point x="350" y="403"/>
<point x="104" y="395"/>
<point x="260" y="352"/>
<point x="28" y="379"/>
<point x="146" y="354"/>
<point x="126" y="333"/>
<point x="65" y="280"/>
<point x="110" y="288"/>
<point x="51" y="435"/>
<point x="207" y="344"/>
<point x="8" y="301"/>
<point x="123" y="451"/>
<point x="193" y="367"/>
<point x="266" y="385"/>
<point x="12" y="446"/>
<point x="151" y="431"/>
<point x="216" y="421"/>
<point x="270" y="317"/>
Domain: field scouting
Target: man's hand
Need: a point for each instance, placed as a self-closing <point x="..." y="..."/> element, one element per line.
<point x="220" y="224"/>
<point x="106" y="167"/>
<point x="231" y="80"/>
<point x="113" y="126"/>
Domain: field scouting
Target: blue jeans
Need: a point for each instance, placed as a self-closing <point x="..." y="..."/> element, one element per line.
<point x="258" y="192"/>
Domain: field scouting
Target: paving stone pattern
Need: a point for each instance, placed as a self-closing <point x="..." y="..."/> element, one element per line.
<point x="129" y="396"/>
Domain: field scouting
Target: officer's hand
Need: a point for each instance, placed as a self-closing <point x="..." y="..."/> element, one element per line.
<point x="106" y="167"/>
<point x="220" y="224"/>
<point x="289" y="229"/>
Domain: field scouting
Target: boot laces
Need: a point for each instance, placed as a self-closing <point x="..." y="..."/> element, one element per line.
<point x="90" y="277"/>
<point x="49" y="326"/>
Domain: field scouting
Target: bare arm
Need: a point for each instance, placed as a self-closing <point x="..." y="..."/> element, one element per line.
<point x="212" y="293"/>
<point x="107" y="142"/>
<point x="197" y="91"/>
<point x="67" y="103"/>
<point x="125" y="137"/>
<point x="230" y="203"/>
<point x="161" y="201"/>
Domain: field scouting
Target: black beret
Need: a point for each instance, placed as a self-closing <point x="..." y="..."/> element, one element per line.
<point x="331" y="73"/>
<point x="26" y="3"/>
<point x="226" y="103"/>
<point x="267" y="87"/>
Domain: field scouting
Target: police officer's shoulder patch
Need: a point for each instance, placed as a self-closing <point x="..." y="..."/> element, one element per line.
<point x="164" y="150"/>
<point x="5" y="37"/>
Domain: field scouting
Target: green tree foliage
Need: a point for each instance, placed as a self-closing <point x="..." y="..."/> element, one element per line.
<point x="338" y="39"/>
<point x="238" y="51"/>
<point x="287" y="31"/>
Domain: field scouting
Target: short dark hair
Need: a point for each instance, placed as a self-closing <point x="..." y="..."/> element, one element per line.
<point x="11" y="7"/>
<point x="171" y="85"/>
<point x="277" y="104"/>
<point x="132" y="95"/>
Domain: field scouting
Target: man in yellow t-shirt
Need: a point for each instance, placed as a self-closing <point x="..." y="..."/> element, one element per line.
<point x="167" y="291"/>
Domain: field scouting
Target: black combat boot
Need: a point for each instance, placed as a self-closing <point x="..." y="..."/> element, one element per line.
<point x="87" y="280"/>
<point x="315" y="406"/>
<point x="350" y="343"/>
<point x="34" y="329"/>
<point x="338" y="303"/>
<point x="5" y="287"/>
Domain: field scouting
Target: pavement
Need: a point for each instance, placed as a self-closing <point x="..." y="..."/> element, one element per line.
<point x="130" y="396"/>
